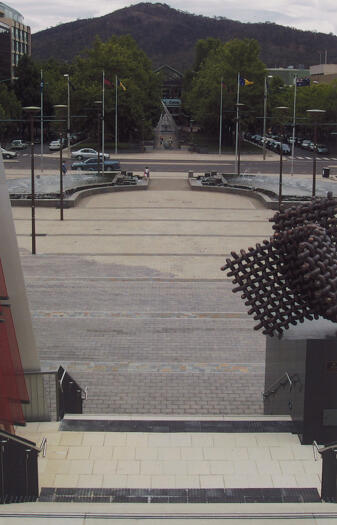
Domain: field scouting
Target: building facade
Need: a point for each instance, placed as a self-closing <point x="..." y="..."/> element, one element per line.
<point x="15" y="40"/>
<point x="288" y="74"/>
<point x="324" y="73"/>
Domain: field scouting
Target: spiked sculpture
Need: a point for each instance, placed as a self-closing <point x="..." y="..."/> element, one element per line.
<point x="292" y="276"/>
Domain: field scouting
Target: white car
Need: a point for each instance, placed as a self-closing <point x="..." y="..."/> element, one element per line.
<point x="54" y="145"/>
<point x="8" y="154"/>
<point x="87" y="153"/>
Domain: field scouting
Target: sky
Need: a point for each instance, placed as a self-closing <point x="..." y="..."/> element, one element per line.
<point x="313" y="15"/>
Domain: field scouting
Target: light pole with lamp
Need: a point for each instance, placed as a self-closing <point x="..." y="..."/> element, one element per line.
<point x="31" y="111"/>
<point x="66" y="75"/>
<point x="238" y="105"/>
<point x="265" y="113"/>
<point x="99" y="105"/>
<point x="315" y="113"/>
<point x="282" y="109"/>
<point x="59" y="108"/>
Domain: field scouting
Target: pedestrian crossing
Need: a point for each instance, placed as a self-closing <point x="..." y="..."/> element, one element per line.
<point x="298" y="157"/>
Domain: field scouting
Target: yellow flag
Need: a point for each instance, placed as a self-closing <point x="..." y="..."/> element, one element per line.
<point x="122" y="85"/>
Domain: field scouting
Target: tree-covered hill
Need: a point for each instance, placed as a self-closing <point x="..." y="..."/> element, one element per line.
<point x="168" y="36"/>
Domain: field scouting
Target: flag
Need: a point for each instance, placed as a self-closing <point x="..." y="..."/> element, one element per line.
<point x="107" y="82"/>
<point x="41" y="86"/>
<point x="72" y="86"/>
<point x="122" y="85"/>
<point x="245" y="82"/>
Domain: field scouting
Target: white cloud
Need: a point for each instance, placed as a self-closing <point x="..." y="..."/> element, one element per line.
<point x="317" y="15"/>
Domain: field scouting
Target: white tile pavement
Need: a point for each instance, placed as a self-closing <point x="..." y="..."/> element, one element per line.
<point x="175" y="460"/>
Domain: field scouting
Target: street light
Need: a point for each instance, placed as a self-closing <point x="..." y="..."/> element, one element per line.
<point x="282" y="109"/>
<point x="99" y="105"/>
<point x="315" y="112"/>
<point x="31" y="111"/>
<point x="238" y="105"/>
<point x="265" y="113"/>
<point x="60" y="107"/>
<point x="66" y="75"/>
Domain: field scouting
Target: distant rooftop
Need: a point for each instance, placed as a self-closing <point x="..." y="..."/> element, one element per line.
<point x="10" y="12"/>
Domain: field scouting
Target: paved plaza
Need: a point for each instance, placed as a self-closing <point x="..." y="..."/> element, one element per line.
<point x="128" y="295"/>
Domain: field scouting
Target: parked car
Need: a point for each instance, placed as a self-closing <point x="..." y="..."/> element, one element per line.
<point x="321" y="149"/>
<point x="286" y="150"/>
<point x="87" y="153"/>
<point x="305" y="144"/>
<point x="18" y="144"/>
<point x="8" y="154"/>
<point x="92" y="165"/>
<point x="54" y="145"/>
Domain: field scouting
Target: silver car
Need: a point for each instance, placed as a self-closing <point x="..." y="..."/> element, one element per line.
<point x="87" y="153"/>
<point x="8" y="154"/>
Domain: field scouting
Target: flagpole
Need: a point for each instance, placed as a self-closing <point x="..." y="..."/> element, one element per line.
<point x="41" y="115"/>
<point x="294" y="124"/>
<point x="264" y="117"/>
<point x="103" y="92"/>
<point x="220" y="129"/>
<point x="237" y="124"/>
<point x="116" y="119"/>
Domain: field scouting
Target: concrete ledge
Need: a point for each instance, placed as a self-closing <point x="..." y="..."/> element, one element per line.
<point x="259" y="194"/>
<point x="77" y="196"/>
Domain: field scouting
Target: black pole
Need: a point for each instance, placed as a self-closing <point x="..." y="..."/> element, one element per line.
<point x="32" y="182"/>
<point x="239" y="147"/>
<point x="314" y="163"/>
<point x="98" y="141"/>
<point x="61" y="177"/>
<point x="281" y="174"/>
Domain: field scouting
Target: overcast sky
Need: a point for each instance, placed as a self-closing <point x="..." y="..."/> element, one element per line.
<point x="315" y="15"/>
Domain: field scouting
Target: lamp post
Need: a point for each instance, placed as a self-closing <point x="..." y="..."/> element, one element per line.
<point x="60" y="107"/>
<point x="265" y="113"/>
<point x="315" y="113"/>
<point x="31" y="111"/>
<point x="282" y="109"/>
<point x="238" y="105"/>
<point x="99" y="105"/>
<point x="66" y="75"/>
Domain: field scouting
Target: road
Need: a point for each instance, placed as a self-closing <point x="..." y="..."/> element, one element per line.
<point x="302" y="163"/>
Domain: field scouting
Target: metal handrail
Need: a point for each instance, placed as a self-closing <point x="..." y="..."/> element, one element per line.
<point x="84" y="391"/>
<point x="18" y="439"/>
<point x="43" y="447"/>
<point x="322" y="449"/>
<point x="275" y="386"/>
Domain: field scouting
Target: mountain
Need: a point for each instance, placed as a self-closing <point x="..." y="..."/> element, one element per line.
<point x="168" y="36"/>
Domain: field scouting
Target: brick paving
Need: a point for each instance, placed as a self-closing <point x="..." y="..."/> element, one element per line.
<point x="147" y="334"/>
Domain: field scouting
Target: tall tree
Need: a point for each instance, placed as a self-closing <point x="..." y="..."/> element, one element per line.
<point x="225" y="62"/>
<point x="138" y="103"/>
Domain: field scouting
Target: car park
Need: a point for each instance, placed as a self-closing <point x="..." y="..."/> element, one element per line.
<point x="8" y="154"/>
<point x="92" y="165"/>
<point x="87" y="153"/>
<point x="18" y="144"/>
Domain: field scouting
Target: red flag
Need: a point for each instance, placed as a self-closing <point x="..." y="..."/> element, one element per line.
<point x="107" y="82"/>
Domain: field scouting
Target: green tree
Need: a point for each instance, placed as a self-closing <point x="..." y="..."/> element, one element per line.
<point x="138" y="106"/>
<point x="27" y="85"/>
<point x="10" y="109"/>
<point x="225" y="62"/>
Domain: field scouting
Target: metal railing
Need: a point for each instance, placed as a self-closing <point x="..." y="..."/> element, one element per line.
<point x="282" y="381"/>
<point x="18" y="468"/>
